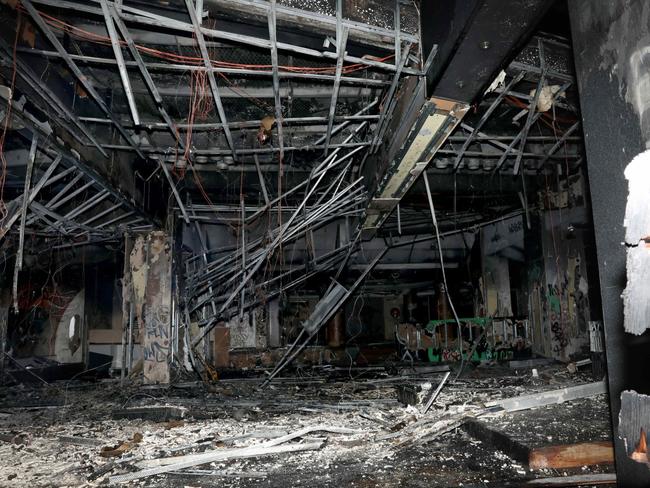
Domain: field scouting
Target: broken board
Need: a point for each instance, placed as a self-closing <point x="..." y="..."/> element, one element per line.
<point x="572" y="434"/>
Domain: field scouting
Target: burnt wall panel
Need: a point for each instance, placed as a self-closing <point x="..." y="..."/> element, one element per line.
<point x="606" y="34"/>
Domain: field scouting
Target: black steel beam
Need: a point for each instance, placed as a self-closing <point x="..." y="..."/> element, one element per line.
<point x="476" y="39"/>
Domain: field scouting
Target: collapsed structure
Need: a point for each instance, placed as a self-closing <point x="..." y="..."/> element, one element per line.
<point x="224" y="199"/>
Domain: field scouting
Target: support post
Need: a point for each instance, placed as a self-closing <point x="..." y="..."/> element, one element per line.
<point x="610" y="42"/>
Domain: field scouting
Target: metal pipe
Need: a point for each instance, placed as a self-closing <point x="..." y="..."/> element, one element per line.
<point x="23" y="215"/>
<point x="285" y="233"/>
<point x="254" y="124"/>
<point x="174" y="67"/>
<point x="243" y="258"/>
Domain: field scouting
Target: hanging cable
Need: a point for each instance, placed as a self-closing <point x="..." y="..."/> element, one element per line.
<point x="444" y="275"/>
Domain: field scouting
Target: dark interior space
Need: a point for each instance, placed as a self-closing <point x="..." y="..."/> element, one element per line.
<point x="324" y="243"/>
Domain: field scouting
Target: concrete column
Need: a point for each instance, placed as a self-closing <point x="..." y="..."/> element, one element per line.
<point x="150" y="269"/>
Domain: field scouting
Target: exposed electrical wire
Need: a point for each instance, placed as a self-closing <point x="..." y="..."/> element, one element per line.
<point x="85" y="35"/>
<point x="444" y="274"/>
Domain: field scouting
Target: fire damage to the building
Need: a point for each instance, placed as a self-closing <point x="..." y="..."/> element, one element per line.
<point x="324" y="243"/>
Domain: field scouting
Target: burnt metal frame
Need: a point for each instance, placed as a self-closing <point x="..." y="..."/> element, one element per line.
<point x="468" y="134"/>
<point x="115" y="17"/>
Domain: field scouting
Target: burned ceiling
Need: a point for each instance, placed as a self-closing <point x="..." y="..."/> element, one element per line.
<point x="207" y="195"/>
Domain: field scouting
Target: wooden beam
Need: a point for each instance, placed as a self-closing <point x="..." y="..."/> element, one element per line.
<point x="572" y="455"/>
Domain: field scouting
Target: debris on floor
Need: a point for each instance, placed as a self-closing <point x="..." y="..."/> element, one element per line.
<point x="313" y="431"/>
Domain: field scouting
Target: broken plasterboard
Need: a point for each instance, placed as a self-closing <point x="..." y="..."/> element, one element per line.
<point x="636" y="297"/>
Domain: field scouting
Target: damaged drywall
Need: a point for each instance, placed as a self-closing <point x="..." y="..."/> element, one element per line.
<point x="636" y="297"/>
<point x="634" y="422"/>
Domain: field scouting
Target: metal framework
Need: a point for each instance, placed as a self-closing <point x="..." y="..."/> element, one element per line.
<point x="85" y="207"/>
<point x="200" y="104"/>
<point x="78" y="195"/>
<point x="512" y="147"/>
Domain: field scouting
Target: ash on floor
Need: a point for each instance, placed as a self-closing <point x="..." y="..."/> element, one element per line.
<point x="76" y="434"/>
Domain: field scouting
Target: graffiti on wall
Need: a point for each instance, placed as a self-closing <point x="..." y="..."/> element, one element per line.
<point x="156" y="335"/>
<point x="558" y="317"/>
<point x="487" y="354"/>
<point x="148" y="287"/>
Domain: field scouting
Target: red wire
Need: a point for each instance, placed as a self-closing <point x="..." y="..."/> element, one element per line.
<point x="192" y="60"/>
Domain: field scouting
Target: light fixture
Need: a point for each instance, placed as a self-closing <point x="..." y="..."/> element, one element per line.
<point x="438" y="118"/>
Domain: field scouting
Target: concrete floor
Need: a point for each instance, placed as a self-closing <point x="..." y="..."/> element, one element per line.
<point x="53" y="435"/>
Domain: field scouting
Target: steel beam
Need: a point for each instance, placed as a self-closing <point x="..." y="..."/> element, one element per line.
<point x="276" y="80"/>
<point x="291" y="354"/>
<point x="51" y="147"/>
<point x="146" y="18"/>
<point x="23" y="215"/>
<point x="388" y="101"/>
<point x="101" y="214"/>
<point x="117" y="49"/>
<point x="302" y="18"/>
<point x="535" y="117"/>
<point x="81" y="78"/>
<point x="177" y="196"/>
<point x="562" y="140"/>
<point x="42" y="182"/>
<point x="529" y="122"/>
<point x="341" y="43"/>
<point x="35" y="83"/>
<point x="87" y="205"/>
<point x="116" y="219"/>
<point x="261" y="178"/>
<point x="61" y="219"/>
<point x="198" y="32"/>
<point x="484" y="118"/>
<point x="147" y="78"/>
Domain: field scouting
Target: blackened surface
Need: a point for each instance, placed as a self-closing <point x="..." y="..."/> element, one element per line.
<point x="612" y="139"/>
<point x="442" y="24"/>
<point x="493" y="36"/>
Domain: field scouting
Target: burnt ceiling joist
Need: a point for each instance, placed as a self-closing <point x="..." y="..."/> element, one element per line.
<point x="191" y="95"/>
<point x="114" y="88"/>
